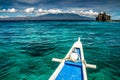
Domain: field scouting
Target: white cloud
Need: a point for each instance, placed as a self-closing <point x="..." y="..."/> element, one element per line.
<point x="89" y="13"/>
<point x="40" y="12"/>
<point x="9" y="10"/>
<point x="54" y="11"/>
<point x="49" y="11"/>
<point x="4" y="10"/>
<point x="29" y="10"/>
<point x="4" y="16"/>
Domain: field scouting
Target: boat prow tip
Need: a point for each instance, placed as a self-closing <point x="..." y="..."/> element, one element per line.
<point x="78" y="38"/>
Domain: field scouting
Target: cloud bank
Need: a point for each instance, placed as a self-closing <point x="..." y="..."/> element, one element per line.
<point x="11" y="10"/>
<point x="89" y="13"/>
<point x="40" y="11"/>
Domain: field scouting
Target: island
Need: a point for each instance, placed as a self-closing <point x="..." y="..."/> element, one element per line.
<point x="103" y="17"/>
<point x="60" y="16"/>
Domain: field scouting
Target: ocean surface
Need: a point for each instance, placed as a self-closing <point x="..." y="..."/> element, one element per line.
<point x="27" y="47"/>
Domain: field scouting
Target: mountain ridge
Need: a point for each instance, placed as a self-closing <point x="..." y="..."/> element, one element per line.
<point x="60" y="16"/>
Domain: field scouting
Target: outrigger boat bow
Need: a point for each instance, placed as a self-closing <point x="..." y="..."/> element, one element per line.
<point x="73" y="66"/>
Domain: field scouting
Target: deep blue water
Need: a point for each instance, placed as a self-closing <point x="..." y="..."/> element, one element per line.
<point x="27" y="47"/>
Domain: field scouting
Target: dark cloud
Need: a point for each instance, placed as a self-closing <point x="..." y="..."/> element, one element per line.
<point x="6" y="3"/>
<point x="59" y="3"/>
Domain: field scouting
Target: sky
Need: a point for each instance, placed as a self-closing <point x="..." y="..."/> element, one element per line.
<point x="90" y="8"/>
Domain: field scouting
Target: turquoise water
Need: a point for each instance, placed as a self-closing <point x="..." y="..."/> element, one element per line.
<point x="27" y="47"/>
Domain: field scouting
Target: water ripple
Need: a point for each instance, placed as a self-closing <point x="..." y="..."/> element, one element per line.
<point x="26" y="48"/>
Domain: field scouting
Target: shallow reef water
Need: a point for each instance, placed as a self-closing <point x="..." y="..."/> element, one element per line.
<point x="27" y="47"/>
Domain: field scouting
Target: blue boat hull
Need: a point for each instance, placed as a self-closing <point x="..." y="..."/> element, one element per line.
<point x="71" y="71"/>
<point x="72" y="67"/>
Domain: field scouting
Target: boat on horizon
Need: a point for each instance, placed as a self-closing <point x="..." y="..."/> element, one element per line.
<point x="73" y="66"/>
